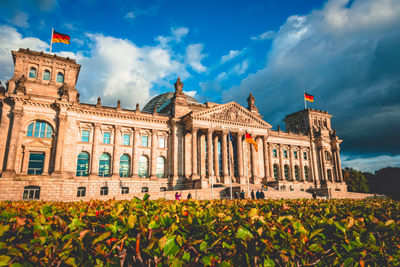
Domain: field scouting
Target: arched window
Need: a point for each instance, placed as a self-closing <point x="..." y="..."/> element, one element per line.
<point x="143" y="166"/>
<point x="306" y="173"/>
<point x="296" y="173"/>
<point x="46" y="75"/>
<point x="60" y="78"/>
<point x="40" y="129"/>
<point x="82" y="167"/>
<point x="31" y="192"/>
<point x="124" y="163"/>
<point x="160" y="167"/>
<point x="32" y="73"/>
<point x="286" y="170"/>
<point x="104" y="165"/>
<point x="145" y="189"/>
<point x="329" y="172"/>
<point x="276" y="172"/>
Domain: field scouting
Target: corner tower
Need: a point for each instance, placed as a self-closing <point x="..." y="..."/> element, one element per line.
<point x="37" y="73"/>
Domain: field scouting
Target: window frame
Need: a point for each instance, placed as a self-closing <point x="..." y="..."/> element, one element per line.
<point x="88" y="135"/>
<point x="159" y="141"/>
<point x="62" y="77"/>
<point x="33" y="161"/>
<point x="276" y="171"/>
<point x="40" y="129"/>
<point x="104" y="191"/>
<point x="107" y="138"/>
<point x="285" y="153"/>
<point x="44" y="73"/>
<point x="124" y="171"/>
<point x="159" y="174"/>
<point x="124" y="190"/>
<point x="31" y="188"/>
<point x="30" y="73"/>
<point x="105" y="173"/>
<point x="305" y="155"/>
<point x="274" y="152"/>
<point x="295" y="154"/>
<point x="146" y="173"/>
<point x="79" y="173"/>
<point x="147" y="140"/>
<point x="81" y="191"/>
<point x="124" y="143"/>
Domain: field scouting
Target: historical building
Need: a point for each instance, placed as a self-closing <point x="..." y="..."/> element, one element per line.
<point x="53" y="147"/>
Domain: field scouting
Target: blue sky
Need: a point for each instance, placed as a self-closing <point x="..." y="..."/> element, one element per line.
<point x="344" y="52"/>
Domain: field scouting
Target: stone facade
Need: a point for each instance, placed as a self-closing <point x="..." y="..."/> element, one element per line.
<point x="54" y="147"/>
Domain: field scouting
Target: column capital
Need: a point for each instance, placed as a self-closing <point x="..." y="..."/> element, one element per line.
<point x="195" y="129"/>
<point x="96" y="125"/>
<point x="117" y="127"/>
<point x="18" y="113"/>
<point x="136" y="129"/>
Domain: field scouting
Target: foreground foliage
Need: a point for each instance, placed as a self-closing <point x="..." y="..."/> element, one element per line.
<point x="220" y="233"/>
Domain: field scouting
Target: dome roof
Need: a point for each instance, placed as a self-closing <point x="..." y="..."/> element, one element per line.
<point x="162" y="101"/>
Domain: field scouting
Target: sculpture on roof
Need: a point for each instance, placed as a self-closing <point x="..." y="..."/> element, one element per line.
<point x="21" y="84"/>
<point x="251" y="102"/>
<point x="178" y="86"/>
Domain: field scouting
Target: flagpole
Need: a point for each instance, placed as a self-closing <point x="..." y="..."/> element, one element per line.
<point x="212" y="169"/>
<point x="230" y="163"/>
<point x="51" y="40"/>
<point x="305" y="103"/>
<point x="247" y="173"/>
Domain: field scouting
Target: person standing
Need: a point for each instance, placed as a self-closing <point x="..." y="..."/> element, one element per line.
<point x="242" y="194"/>
<point x="189" y="196"/>
<point x="236" y="195"/>
<point x="262" y="195"/>
<point x="252" y="194"/>
<point x="258" y="194"/>
<point x="177" y="196"/>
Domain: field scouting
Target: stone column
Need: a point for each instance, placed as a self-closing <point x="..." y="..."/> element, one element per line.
<point x="94" y="166"/>
<point x="25" y="161"/>
<point x="210" y="155"/>
<point x="13" y="145"/>
<point x="174" y="148"/>
<point x="282" y="166"/>
<point x="301" y="172"/>
<point x="291" y="171"/>
<point x="4" y="125"/>
<point x="225" y="157"/>
<point x="266" y="159"/>
<point x="216" y="158"/>
<point x="202" y="152"/>
<point x="154" y="145"/>
<point x="194" y="153"/>
<point x="271" y="167"/>
<point x="135" y="153"/>
<point x="115" y="159"/>
<point x="46" y="162"/>
<point x="339" y="165"/>
<point x="314" y="164"/>
<point x="62" y="121"/>
<point x="322" y="164"/>
<point x="239" y="141"/>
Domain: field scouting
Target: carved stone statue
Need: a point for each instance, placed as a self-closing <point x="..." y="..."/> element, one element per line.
<point x="250" y="101"/>
<point x="155" y="109"/>
<point x="137" y="107"/>
<point x="77" y="97"/>
<point x="178" y="86"/>
<point x="98" y="102"/>
<point x="64" y="90"/>
<point x="21" y="84"/>
<point x="119" y="104"/>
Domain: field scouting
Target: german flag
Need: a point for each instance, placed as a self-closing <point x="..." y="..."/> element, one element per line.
<point x="250" y="140"/>
<point x="60" y="38"/>
<point x="308" y="97"/>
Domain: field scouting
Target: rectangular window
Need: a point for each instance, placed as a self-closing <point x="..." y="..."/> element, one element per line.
<point x="125" y="190"/>
<point x="275" y="153"/>
<point x="106" y="137"/>
<point x="285" y="153"/>
<point x="304" y="155"/>
<point x="36" y="162"/>
<point x="81" y="192"/>
<point x="161" y="142"/>
<point x="295" y="154"/>
<point x="145" y="140"/>
<point x="127" y="140"/>
<point x="85" y="136"/>
<point x="31" y="193"/>
<point x="104" y="191"/>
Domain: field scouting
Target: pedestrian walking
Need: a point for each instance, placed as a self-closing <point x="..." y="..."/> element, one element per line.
<point x="177" y="196"/>
<point x="189" y="196"/>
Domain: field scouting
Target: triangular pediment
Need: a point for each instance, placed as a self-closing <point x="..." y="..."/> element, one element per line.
<point x="37" y="144"/>
<point x="231" y="112"/>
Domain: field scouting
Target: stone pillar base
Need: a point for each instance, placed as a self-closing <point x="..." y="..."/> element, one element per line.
<point x="8" y="174"/>
<point x="242" y="180"/>
<point x="204" y="183"/>
<point x="194" y="177"/>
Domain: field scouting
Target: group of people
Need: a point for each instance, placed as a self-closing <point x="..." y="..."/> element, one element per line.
<point x="259" y="194"/>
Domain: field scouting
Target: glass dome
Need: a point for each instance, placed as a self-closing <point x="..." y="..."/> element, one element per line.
<point x="162" y="101"/>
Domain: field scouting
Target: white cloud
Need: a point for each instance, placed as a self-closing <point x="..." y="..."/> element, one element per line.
<point x="191" y="93"/>
<point x="19" y="19"/>
<point x="194" y="57"/>
<point x="232" y="54"/>
<point x="10" y="39"/>
<point x="129" y="15"/>
<point x="240" y="68"/>
<point x="176" y="36"/>
<point x="264" y="36"/>
<point x="124" y="71"/>
<point x="370" y="164"/>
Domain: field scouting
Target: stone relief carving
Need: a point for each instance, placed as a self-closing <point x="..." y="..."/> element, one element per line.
<point x="21" y="85"/>
<point x="231" y="114"/>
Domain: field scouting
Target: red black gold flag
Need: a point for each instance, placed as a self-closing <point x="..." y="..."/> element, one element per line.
<point x="308" y="97"/>
<point x="60" y="38"/>
<point x="250" y="140"/>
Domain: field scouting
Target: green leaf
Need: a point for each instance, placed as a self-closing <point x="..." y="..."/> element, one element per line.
<point x="207" y="260"/>
<point x="71" y="262"/>
<point x="186" y="257"/>
<point x="389" y="222"/>
<point x="162" y="242"/>
<point x="171" y="248"/>
<point x="4" y="260"/>
<point x="146" y="197"/>
<point x="203" y="246"/>
<point x="316" y="248"/>
<point x="244" y="234"/>
<point x="102" y="237"/>
<point x="269" y="263"/>
<point x="226" y="245"/>
<point x="131" y="221"/>
<point x="153" y="225"/>
<point x="340" y="227"/>
<point x="4" y="228"/>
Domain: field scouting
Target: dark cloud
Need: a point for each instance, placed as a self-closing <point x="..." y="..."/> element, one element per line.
<point x="346" y="54"/>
